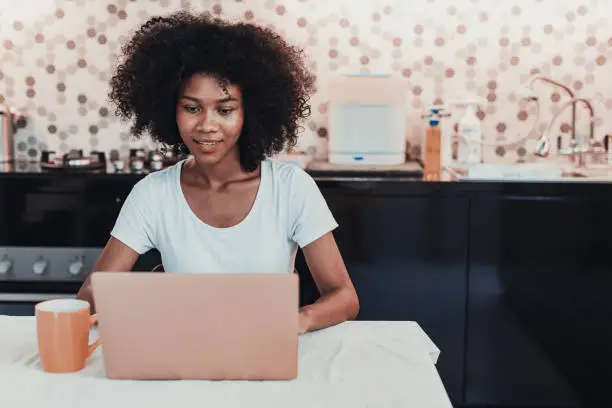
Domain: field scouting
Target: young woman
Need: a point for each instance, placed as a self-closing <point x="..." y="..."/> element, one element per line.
<point x="230" y="95"/>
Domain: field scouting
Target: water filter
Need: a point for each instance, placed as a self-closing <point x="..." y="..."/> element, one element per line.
<point x="469" y="130"/>
<point x="470" y="135"/>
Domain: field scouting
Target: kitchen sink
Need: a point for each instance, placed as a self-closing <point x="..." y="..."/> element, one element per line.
<point x="533" y="172"/>
<point x="593" y="171"/>
<point x="521" y="171"/>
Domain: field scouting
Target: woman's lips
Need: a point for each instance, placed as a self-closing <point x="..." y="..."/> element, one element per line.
<point x="207" y="146"/>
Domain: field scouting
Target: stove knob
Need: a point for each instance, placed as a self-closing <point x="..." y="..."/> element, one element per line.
<point x="5" y="266"/>
<point x="76" y="266"/>
<point x="40" y="267"/>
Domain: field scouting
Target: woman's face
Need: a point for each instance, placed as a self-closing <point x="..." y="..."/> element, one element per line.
<point x="210" y="116"/>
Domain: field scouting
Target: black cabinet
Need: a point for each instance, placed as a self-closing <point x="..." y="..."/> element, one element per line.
<point x="556" y="275"/>
<point x="104" y="197"/>
<point x="506" y="363"/>
<point x="407" y="257"/>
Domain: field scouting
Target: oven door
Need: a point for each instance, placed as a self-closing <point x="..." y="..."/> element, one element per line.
<point x="22" y="304"/>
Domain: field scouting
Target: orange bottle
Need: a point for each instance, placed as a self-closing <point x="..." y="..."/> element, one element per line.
<point x="433" y="145"/>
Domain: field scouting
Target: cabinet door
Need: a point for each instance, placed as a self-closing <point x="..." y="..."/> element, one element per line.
<point x="522" y="308"/>
<point x="559" y="280"/>
<point x="105" y="197"/>
<point x="407" y="258"/>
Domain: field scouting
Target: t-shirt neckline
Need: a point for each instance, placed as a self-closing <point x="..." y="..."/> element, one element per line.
<point x="254" y="208"/>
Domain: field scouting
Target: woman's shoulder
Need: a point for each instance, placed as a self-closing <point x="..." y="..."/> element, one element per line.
<point x="287" y="173"/>
<point x="291" y="181"/>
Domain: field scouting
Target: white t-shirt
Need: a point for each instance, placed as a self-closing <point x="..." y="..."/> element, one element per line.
<point x="289" y="210"/>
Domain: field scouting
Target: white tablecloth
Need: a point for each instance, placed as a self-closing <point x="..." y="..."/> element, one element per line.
<point x="354" y="364"/>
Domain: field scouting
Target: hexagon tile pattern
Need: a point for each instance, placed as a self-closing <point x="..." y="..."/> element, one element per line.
<point x="56" y="59"/>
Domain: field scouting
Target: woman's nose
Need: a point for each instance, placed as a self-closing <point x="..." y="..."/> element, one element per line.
<point x="207" y="124"/>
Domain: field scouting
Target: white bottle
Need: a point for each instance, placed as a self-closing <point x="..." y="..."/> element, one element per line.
<point x="470" y="142"/>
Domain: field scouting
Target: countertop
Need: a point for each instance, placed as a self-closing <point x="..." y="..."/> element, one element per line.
<point x="380" y="180"/>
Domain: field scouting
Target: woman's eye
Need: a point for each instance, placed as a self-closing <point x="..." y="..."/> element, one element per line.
<point x="225" y="111"/>
<point x="191" y="109"/>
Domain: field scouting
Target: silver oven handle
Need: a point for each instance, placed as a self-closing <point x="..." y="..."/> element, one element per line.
<point x="33" y="297"/>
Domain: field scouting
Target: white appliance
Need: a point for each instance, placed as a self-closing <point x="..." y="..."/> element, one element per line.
<point x="367" y="122"/>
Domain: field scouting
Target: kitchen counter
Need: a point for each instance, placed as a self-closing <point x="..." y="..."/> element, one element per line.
<point x="410" y="172"/>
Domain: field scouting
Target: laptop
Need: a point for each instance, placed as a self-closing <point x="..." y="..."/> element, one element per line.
<point x="166" y="326"/>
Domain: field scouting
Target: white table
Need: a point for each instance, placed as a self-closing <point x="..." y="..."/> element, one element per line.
<point x="354" y="364"/>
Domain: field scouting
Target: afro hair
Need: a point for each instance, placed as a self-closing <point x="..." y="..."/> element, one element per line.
<point x="165" y="51"/>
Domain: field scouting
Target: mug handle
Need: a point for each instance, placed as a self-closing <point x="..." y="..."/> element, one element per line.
<point x="92" y="347"/>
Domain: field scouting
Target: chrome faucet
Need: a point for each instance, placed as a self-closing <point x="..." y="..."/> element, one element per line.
<point x="576" y="151"/>
<point x="529" y="94"/>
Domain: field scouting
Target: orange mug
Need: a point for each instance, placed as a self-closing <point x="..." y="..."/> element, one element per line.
<point x="62" y="328"/>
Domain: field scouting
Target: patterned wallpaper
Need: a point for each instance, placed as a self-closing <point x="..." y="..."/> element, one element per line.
<point x="56" y="57"/>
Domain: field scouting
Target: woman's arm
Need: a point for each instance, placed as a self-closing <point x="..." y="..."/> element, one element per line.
<point x="338" y="301"/>
<point x="116" y="257"/>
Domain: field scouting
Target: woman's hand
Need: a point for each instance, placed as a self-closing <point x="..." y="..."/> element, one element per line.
<point x="304" y="321"/>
